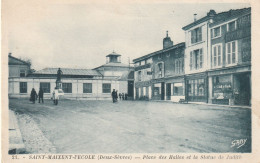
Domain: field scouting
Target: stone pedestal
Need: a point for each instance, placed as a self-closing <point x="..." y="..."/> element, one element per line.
<point x="58" y="84"/>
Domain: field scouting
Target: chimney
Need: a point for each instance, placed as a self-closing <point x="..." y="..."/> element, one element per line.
<point x="195" y="17"/>
<point x="10" y="54"/>
<point x="167" y="42"/>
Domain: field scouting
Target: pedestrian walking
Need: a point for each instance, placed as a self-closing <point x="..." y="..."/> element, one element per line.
<point x="120" y="96"/>
<point x="116" y="96"/>
<point x="40" y="95"/>
<point x="123" y="96"/>
<point x="126" y="96"/>
<point x="113" y="95"/>
<point x="55" y="96"/>
<point x="33" y="96"/>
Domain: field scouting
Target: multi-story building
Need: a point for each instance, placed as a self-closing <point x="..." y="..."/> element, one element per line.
<point x="230" y="59"/>
<point x="218" y="58"/>
<point x="160" y="75"/>
<point x="197" y="58"/>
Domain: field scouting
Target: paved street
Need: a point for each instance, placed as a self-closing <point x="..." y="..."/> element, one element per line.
<point x="136" y="126"/>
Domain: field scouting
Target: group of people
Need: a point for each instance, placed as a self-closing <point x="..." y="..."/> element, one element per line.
<point x="34" y="95"/>
<point x="122" y="96"/>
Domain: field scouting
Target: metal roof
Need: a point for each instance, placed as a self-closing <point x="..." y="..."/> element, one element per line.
<point x="113" y="54"/>
<point x="69" y="71"/>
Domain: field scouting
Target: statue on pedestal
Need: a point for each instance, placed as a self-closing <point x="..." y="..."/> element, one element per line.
<point x="58" y="81"/>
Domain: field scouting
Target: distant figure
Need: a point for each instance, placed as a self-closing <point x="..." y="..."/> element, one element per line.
<point x="126" y="96"/>
<point x="33" y="96"/>
<point x="55" y="96"/>
<point x="123" y="96"/>
<point x="40" y="95"/>
<point x="59" y="73"/>
<point x="113" y="95"/>
<point x="120" y="96"/>
<point x="116" y="95"/>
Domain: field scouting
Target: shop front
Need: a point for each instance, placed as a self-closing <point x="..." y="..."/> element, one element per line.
<point x="230" y="86"/>
<point x="158" y="91"/>
<point x="175" y="89"/>
<point x="196" y="85"/>
<point x="143" y="90"/>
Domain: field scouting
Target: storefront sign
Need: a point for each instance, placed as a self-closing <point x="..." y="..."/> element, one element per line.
<point x="222" y="86"/>
<point x="238" y="34"/>
<point x="230" y="71"/>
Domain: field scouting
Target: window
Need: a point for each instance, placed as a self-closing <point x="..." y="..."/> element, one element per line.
<point x="196" y="87"/>
<point x="23" y="87"/>
<point x="217" y="55"/>
<point x="232" y="26"/>
<point x="139" y="75"/>
<point x="160" y="70"/>
<point x="196" y="35"/>
<point x="196" y="59"/>
<point x="149" y="60"/>
<point x="45" y="86"/>
<point x="67" y="87"/>
<point x="178" y="66"/>
<point x="87" y="87"/>
<point x="168" y="54"/>
<point x="106" y="87"/>
<point x="178" y="89"/>
<point x="231" y="52"/>
<point x="216" y="32"/>
<point x="22" y="73"/>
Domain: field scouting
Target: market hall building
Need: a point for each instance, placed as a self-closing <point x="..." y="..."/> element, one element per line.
<point x="92" y="84"/>
<point x="160" y="75"/>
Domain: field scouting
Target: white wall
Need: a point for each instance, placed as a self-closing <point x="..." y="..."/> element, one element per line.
<point x="200" y="45"/>
<point x="77" y="87"/>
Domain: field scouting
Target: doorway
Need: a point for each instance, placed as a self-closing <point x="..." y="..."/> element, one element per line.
<point x="168" y="91"/>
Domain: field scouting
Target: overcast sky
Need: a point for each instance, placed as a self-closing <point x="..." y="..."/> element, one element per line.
<point x="81" y="35"/>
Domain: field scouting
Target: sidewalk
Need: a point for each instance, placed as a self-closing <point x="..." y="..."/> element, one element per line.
<point x="16" y="144"/>
<point x="203" y="103"/>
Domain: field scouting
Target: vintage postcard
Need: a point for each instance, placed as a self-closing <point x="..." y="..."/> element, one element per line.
<point x="130" y="81"/>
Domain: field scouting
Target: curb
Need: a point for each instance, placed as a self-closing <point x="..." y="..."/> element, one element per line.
<point x="16" y="145"/>
<point x="207" y="104"/>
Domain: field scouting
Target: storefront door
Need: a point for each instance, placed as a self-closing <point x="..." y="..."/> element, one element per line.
<point x="162" y="91"/>
<point x="242" y="92"/>
<point x="168" y="91"/>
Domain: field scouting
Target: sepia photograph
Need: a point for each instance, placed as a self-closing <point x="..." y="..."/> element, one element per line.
<point x="107" y="80"/>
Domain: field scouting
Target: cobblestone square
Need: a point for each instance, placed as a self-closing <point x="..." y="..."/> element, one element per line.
<point x="81" y="126"/>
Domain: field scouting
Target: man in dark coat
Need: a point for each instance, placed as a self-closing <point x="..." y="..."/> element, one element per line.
<point x="40" y="95"/>
<point x="114" y="95"/>
<point x="33" y="95"/>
